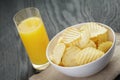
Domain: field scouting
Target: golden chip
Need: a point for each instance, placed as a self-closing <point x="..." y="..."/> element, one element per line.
<point x="82" y="41"/>
<point x="102" y="38"/>
<point x="70" y="57"/>
<point x="88" y="55"/>
<point x="74" y="43"/>
<point x="58" y="52"/>
<point x="105" y="46"/>
<point x="70" y="35"/>
<point x="94" y="29"/>
<point x="85" y="37"/>
<point x="91" y="44"/>
<point x="98" y="33"/>
<point x="60" y="40"/>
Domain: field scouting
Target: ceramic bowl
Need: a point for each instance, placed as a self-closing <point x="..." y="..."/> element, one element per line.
<point x="87" y="69"/>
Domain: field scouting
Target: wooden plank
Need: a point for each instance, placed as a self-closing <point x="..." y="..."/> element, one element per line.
<point x="59" y="14"/>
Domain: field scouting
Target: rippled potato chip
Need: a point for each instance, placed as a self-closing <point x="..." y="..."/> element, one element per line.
<point x="82" y="41"/>
<point x="105" y="46"/>
<point x="100" y="38"/>
<point x="70" y="57"/>
<point x="60" y="40"/>
<point x="98" y="33"/>
<point x="85" y="37"/>
<point x="70" y="35"/>
<point x="91" y="44"/>
<point x="58" y="52"/>
<point x="93" y="28"/>
<point x="74" y="43"/>
<point x="89" y="54"/>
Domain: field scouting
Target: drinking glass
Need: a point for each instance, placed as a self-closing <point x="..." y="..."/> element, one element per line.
<point x="33" y="35"/>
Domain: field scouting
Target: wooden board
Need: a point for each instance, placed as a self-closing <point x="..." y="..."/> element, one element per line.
<point x="108" y="73"/>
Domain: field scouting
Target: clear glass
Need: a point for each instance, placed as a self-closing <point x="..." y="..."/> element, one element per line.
<point x="33" y="35"/>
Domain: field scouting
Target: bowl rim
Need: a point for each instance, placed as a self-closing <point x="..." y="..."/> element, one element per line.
<point x="80" y="66"/>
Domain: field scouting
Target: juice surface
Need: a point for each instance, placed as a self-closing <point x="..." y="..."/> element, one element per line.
<point x="34" y="38"/>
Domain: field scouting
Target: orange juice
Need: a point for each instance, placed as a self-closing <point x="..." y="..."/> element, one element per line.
<point x="34" y="38"/>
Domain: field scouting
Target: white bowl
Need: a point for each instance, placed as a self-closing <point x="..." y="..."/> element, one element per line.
<point x="87" y="69"/>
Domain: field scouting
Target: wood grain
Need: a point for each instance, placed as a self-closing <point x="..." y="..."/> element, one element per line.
<point x="57" y="15"/>
<point x="63" y="13"/>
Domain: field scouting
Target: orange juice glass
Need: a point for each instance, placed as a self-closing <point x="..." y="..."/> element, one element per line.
<point x="33" y="35"/>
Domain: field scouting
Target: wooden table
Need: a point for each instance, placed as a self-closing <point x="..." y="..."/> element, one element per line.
<point x="57" y="15"/>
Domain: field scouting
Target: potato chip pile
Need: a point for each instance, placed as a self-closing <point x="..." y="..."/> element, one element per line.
<point x="79" y="46"/>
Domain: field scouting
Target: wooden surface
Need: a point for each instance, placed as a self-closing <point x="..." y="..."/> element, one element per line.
<point x="108" y="73"/>
<point x="57" y="15"/>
